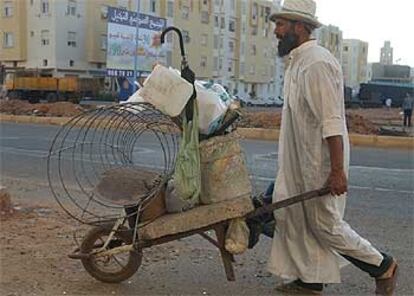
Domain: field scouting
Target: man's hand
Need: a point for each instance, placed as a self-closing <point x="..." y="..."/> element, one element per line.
<point x="337" y="182"/>
<point x="337" y="179"/>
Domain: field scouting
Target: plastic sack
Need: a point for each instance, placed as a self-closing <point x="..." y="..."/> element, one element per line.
<point x="166" y="90"/>
<point x="187" y="174"/>
<point x="213" y="101"/>
<point x="135" y="98"/>
<point x="224" y="173"/>
<point x="237" y="236"/>
<point x="173" y="201"/>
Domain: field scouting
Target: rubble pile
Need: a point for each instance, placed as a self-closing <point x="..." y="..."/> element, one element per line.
<point x="260" y="119"/>
<point x="378" y="114"/>
<point x="58" y="109"/>
<point x="271" y="119"/>
<point x="359" y="125"/>
<point x="360" y="121"/>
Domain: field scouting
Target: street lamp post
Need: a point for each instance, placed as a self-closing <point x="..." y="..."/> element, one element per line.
<point x="136" y="47"/>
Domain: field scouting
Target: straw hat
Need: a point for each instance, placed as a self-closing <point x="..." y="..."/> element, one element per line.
<point x="298" y="10"/>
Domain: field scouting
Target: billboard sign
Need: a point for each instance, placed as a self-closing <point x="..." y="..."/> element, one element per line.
<point x="121" y="42"/>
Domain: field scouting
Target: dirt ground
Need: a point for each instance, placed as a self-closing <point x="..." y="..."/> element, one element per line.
<point x="360" y="121"/>
<point x="37" y="236"/>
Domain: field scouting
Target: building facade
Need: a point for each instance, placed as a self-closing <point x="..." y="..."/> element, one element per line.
<point x="354" y="63"/>
<point x="228" y="41"/>
<point x="330" y="37"/>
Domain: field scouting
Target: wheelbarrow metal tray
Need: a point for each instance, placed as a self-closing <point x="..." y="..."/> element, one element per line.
<point x="197" y="218"/>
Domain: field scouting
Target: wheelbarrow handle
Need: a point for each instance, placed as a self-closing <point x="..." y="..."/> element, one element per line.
<point x="289" y="201"/>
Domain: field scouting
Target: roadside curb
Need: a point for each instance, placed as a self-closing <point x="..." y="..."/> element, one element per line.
<point x="34" y="119"/>
<point x="355" y="139"/>
<point x="248" y="133"/>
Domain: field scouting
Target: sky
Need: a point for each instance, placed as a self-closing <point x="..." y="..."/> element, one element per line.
<point x="373" y="21"/>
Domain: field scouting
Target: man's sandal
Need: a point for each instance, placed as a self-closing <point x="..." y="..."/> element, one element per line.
<point x="296" y="289"/>
<point x="386" y="286"/>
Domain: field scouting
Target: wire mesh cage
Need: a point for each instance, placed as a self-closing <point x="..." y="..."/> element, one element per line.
<point x="110" y="158"/>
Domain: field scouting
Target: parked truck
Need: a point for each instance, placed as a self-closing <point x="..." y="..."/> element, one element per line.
<point x="52" y="89"/>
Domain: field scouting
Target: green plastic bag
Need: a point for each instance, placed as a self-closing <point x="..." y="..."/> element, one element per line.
<point x="187" y="174"/>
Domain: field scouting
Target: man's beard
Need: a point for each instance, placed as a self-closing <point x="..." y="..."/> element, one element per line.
<point x="287" y="43"/>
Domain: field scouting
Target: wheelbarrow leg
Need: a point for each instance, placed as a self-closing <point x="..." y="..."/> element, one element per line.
<point x="225" y="255"/>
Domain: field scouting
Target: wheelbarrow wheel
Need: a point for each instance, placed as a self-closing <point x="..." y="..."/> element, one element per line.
<point x="114" y="268"/>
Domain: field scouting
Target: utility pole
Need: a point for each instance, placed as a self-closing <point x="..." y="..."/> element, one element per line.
<point x="136" y="47"/>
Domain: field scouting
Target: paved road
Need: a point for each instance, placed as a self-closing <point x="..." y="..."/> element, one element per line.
<point x="380" y="207"/>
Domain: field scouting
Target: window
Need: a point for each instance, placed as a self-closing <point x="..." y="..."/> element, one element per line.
<point x="8" y="39"/>
<point x="252" y="69"/>
<point x="204" y="39"/>
<point x="44" y="6"/>
<point x="8" y="9"/>
<point x="71" y="63"/>
<point x="254" y="31"/>
<point x="267" y="14"/>
<point x="232" y="5"/>
<point x="215" y="63"/>
<point x="230" y="67"/>
<point x="31" y="33"/>
<point x="71" y="9"/>
<point x="231" y="46"/>
<point x="44" y="37"/>
<point x="170" y="9"/>
<point x="216" y="41"/>
<point x="104" y="12"/>
<point x="186" y="36"/>
<point x="204" y="17"/>
<point x="254" y="11"/>
<point x="31" y="2"/>
<point x="153" y="6"/>
<point x="232" y="26"/>
<point x="103" y="42"/>
<point x="216" y="21"/>
<point x="44" y="63"/>
<point x="345" y="48"/>
<point x="203" y="62"/>
<point x="220" y="63"/>
<point x="72" y="39"/>
<point x="185" y="11"/>
<point x="221" y="42"/>
<point x="253" y="49"/>
<point x="223" y="23"/>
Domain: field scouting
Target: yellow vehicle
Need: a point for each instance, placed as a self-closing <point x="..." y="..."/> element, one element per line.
<point x="53" y="89"/>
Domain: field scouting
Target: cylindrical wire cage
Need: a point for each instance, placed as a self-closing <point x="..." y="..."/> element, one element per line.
<point x="110" y="158"/>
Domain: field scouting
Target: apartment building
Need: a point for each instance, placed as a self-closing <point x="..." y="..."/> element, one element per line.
<point x="354" y="62"/>
<point x="330" y="37"/>
<point x="227" y="41"/>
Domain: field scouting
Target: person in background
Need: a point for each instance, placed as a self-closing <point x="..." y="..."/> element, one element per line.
<point x="311" y="237"/>
<point x="407" y="107"/>
<point x="388" y="103"/>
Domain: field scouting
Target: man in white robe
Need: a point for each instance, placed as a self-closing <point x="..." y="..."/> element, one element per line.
<point x="312" y="236"/>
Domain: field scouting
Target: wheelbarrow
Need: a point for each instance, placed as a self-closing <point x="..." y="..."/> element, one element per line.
<point x="113" y="252"/>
